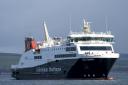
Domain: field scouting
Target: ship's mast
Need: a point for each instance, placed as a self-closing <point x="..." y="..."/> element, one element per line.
<point x="48" y="40"/>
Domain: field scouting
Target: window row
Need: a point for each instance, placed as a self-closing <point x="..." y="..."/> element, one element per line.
<point x="95" y="48"/>
<point x="91" y="38"/>
<point x="65" y="55"/>
<point x="71" y="49"/>
<point x="37" y="57"/>
<point x="53" y="49"/>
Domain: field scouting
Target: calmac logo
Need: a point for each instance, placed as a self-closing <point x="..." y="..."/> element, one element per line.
<point x="50" y="69"/>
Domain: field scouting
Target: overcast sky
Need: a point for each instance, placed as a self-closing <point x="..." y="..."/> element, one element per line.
<point x="20" y="18"/>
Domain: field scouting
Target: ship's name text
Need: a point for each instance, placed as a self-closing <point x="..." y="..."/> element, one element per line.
<point x="49" y="69"/>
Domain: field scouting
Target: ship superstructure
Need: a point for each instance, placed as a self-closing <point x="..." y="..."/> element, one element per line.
<point x="86" y="55"/>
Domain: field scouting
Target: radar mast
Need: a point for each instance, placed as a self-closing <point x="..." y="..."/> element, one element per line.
<point x="86" y="27"/>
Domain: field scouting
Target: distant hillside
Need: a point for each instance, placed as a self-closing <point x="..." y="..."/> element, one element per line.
<point x="8" y="59"/>
<point x="10" y="54"/>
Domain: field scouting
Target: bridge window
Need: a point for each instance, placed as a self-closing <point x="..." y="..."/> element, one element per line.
<point x="106" y="39"/>
<point x="95" y="48"/>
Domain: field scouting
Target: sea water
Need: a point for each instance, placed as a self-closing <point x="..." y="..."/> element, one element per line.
<point x="119" y="73"/>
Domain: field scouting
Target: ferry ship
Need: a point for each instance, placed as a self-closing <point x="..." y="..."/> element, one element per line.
<point x="82" y="55"/>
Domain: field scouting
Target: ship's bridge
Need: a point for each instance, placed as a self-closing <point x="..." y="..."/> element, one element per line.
<point x="91" y="37"/>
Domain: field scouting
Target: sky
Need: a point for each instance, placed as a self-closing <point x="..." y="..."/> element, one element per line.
<point x="22" y="18"/>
